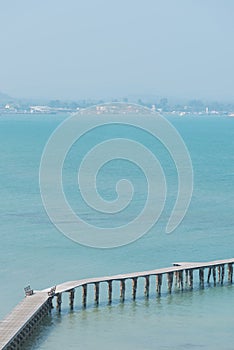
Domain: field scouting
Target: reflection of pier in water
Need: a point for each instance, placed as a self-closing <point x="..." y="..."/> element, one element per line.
<point x="19" y="325"/>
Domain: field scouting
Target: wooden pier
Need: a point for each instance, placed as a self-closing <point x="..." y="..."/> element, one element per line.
<point x="19" y="325"/>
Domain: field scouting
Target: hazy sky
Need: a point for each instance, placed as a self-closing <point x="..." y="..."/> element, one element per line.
<point x="104" y="48"/>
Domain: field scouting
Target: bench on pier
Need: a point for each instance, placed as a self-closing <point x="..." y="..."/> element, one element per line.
<point x="28" y="291"/>
<point x="51" y="292"/>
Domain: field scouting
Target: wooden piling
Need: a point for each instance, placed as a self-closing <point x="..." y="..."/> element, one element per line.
<point x="158" y="284"/>
<point x="186" y="277"/>
<point x="209" y="274"/>
<point x="147" y="283"/>
<point x="214" y="275"/>
<point x="201" y="277"/>
<point x="59" y="301"/>
<point x="134" y="287"/>
<point x="84" y="296"/>
<point x="181" y="282"/>
<point x="222" y="273"/>
<point x="219" y="273"/>
<point x="109" y="292"/>
<point x="169" y="281"/>
<point x="50" y="303"/>
<point x="122" y="290"/>
<point x="176" y="278"/>
<point x="96" y="293"/>
<point x="71" y="298"/>
<point x="230" y="272"/>
<point x="191" y="278"/>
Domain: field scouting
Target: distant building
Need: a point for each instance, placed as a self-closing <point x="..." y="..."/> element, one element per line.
<point x="40" y="109"/>
<point x="9" y="108"/>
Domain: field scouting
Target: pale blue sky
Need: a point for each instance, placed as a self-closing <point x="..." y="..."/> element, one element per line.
<point x="103" y="48"/>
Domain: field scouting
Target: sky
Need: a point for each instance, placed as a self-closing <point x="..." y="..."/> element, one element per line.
<point x="77" y="49"/>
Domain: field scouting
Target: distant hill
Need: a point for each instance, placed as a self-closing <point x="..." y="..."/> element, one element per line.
<point x="4" y="98"/>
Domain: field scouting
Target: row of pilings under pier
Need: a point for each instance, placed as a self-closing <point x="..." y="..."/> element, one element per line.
<point x="179" y="280"/>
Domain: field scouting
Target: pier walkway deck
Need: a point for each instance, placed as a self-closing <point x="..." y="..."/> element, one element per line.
<point x="21" y="316"/>
<point x="21" y="322"/>
<point x="67" y="286"/>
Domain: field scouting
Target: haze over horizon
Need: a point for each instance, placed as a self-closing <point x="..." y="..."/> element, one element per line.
<point x="77" y="49"/>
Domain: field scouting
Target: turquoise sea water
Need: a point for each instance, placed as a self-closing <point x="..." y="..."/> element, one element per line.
<point x="33" y="251"/>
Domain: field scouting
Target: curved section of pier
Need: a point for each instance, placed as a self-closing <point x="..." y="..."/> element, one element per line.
<point x="19" y="325"/>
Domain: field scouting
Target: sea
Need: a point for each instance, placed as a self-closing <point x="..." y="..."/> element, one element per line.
<point x="33" y="251"/>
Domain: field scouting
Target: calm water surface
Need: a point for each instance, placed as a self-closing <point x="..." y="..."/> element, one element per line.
<point x="33" y="251"/>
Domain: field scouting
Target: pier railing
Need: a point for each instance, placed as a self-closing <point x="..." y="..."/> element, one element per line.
<point x="19" y="325"/>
